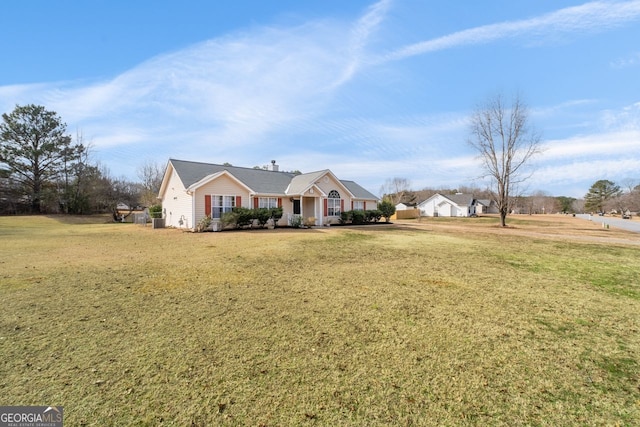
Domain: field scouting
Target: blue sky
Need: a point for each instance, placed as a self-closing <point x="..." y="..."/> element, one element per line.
<point x="371" y="90"/>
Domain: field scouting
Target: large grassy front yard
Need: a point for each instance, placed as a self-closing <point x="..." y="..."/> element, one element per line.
<point x="437" y="323"/>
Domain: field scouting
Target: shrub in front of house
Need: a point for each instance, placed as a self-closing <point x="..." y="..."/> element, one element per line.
<point x="237" y="218"/>
<point x="204" y="224"/>
<point x="357" y="217"/>
<point x="242" y="217"/>
<point x="387" y="208"/>
<point x="229" y="219"/>
<point x="373" y="215"/>
<point x="276" y="214"/>
<point x="262" y="215"/>
<point x="296" y="221"/>
<point x="360" y="217"/>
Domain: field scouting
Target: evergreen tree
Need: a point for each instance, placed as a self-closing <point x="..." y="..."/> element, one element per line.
<point x="37" y="151"/>
<point x="599" y="193"/>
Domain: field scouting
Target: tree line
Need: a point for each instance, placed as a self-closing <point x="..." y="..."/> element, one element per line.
<point x="44" y="170"/>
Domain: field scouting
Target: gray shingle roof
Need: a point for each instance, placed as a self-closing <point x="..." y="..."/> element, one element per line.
<point x="358" y="191"/>
<point x="300" y="183"/>
<point x="260" y="180"/>
<point x="460" y="199"/>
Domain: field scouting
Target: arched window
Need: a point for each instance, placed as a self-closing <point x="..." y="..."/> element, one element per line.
<point x="333" y="203"/>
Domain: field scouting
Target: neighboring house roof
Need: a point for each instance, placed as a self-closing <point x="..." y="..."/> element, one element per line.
<point x="484" y="202"/>
<point x="461" y="199"/>
<point x="457" y="199"/>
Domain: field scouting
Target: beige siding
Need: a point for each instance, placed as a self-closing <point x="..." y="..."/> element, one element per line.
<point x="176" y="204"/>
<point x="327" y="184"/>
<point x="370" y="205"/>
<point x="287" y="210"/>
<point x="224" y="186"/>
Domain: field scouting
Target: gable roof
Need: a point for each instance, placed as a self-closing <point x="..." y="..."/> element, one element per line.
<point x="214" y="176"/>
<point x="259" y="180"/>
<point x="456" y="199"/>
<point x="301" y="183"/>
<point x="358" y="191"/>
<point x="461" y="199"/>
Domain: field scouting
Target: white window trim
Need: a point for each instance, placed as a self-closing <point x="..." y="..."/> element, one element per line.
<point x="334" y="204"/>
<point x="223" y="208"/>
<point x="267" y="202"/>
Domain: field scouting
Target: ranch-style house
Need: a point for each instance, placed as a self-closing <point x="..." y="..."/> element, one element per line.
<point x="457" y="205"/>
<point x="192" y="190"/>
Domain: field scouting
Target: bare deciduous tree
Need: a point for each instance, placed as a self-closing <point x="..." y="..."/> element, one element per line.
<point x="505" y="144"/>
<point x="150" y="175"/>
<point x="397" y="190"/>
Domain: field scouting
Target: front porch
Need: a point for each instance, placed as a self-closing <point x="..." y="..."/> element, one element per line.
<point x="308" y="208"/>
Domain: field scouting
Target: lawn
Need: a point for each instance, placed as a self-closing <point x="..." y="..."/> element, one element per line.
<point x="432" y="323"/>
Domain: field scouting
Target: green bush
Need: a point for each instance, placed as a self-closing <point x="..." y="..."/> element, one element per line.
<point x="229" y="219"/>
<point x="244" y="217"/>
<point x="360" y="217"/>
<point x="155" y="211"/>
<point x="262" y="215"/>
<point x="241" y="217"/>
<point x="387" y="209"/>
<point x="345" y="217"/>
<point x="276" y="214"/>
<point x="373" y="215"/>
<point x="357" y="217"/>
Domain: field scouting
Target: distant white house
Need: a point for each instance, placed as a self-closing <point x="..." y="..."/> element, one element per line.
<point x="405" y="206"/>
<point x="456" y="205"/>
<point x="485" y="206"/>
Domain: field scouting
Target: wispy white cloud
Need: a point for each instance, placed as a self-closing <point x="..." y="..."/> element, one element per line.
<point x="593" y="145"/>
<point x="624" y="119"/>
<point x="360" y="34"/>
<point x="588" y="171"/>
<point x="238" y="88"/>
<point x="589" y="17"/>
<point x="631" y="60"/>
<point x="562" y="108"/>
<point x="286" y="93"/>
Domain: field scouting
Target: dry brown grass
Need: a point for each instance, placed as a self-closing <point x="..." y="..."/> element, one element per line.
<point x="437" y="323"/>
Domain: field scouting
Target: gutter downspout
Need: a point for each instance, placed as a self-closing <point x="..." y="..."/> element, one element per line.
<point x="193" y="209"/>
